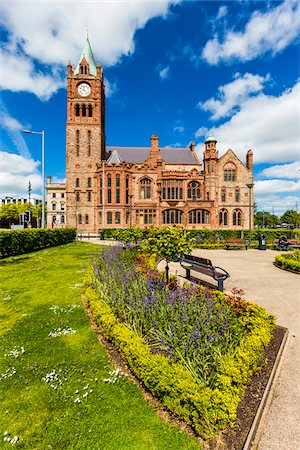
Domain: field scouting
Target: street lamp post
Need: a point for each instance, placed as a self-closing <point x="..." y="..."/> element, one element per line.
<point x="42" y="133"/>
<point x="250" y="186"/>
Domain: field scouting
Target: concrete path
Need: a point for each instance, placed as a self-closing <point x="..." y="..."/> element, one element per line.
<point x="279" y="292"/>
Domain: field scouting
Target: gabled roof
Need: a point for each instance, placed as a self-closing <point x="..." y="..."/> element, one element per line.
<point x="230" y="153"/>
<point x="140" y="154"/>
<point x="87" y="53"/>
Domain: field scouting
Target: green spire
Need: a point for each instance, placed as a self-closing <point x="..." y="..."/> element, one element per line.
<point x="88" y="54"/>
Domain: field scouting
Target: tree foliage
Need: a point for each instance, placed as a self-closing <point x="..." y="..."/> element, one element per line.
<point x="266" y="219"/>
<point x="291" y="217"/>
<point x="168" y="243"/>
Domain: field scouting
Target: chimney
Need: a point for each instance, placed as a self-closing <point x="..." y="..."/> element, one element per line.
<point x="48" y="180"/>
<point x="192" y="146"/>
<point x="154" y="142"/>
<point x="249" y="160"/>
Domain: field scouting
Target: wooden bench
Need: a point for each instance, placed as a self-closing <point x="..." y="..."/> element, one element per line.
<point x="205" y="266"/>
<point x="236" y="242"/>
<point x="292" y="243"/>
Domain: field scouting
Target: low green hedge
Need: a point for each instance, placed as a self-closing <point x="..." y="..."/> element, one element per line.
<point x="289" y="261"/>
<point x="17" y="242"/>
<point x="207" y="410"/>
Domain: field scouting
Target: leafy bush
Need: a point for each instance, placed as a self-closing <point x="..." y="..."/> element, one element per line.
<point x="193" y="349"/>
<point x="289" y="261"/>
<point x="25" y="241"/>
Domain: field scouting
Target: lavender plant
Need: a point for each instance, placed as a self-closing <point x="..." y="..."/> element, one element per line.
<point x="190" y="324"/>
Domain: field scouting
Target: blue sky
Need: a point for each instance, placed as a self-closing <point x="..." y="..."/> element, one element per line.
<point x="178" y="69"/>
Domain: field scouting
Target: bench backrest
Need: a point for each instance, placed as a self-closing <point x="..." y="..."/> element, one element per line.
<point x="290" y="241"/>
<point x="197" y="259"/>
<point x="235" y="241"/>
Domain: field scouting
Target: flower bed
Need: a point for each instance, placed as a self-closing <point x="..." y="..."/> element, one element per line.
<point x="290" y="261"/>
<point x="194" y="349"/>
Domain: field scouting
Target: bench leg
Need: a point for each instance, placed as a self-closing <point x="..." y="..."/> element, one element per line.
<point x="188" y="274"/>
<point x="220" y="285"/>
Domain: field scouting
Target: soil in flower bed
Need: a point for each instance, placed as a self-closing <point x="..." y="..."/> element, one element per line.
<point x="232" y="438"/>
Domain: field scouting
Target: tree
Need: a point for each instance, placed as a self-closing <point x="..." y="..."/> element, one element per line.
<point x="168" y="243"/>
<point x="10" y="212"/>
<point x="266" y="219"/>
<point x="291" y="217"/>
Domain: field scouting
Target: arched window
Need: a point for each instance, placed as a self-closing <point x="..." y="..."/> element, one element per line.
<point x="89" y="143"/>
<point x="193" y="190"/>
<point x="77" y="110"/>
<point x="77" y="196"/>
<point x="77" y="142"/>
<point x="86" y="218"/>
<point x="172" y="216"/>
<point x="145" y="188"/>
<point x="223" y="217"/>
<point x="237" y="195"/>
<point x="90" y="111"/>
<point x="117" y="188"/>
<point x="101" y="189"/>
<point x="237" y="217"/>
<point x="229" y="172"/>
<point x="53" y="206"/>
<point x="83" y="110"/>
<point x="77" y="182"/>
<point x="127" y="215"/>
<point x="89" y="196"/>
<point x="62" y="219"/>
<point x="108" y="188"/>
<point x="89" y="182"/>
<point x="223" y="195"/>
<point x="80" y="219"/>
<point x="62" y="206"/>
<point x="109" y="217"/>
<point x="117" y="218"/>
<point x="127" y="190"/>
<point x="199" y="216"/>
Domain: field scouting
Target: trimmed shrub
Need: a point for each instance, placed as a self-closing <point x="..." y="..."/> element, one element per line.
<point x="25" y="241"/>
<point x="290" y="261"/>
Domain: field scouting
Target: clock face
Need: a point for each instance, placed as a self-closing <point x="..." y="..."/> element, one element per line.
<point x="84" y="89"/>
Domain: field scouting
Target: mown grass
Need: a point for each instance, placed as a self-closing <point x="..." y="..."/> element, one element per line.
<point x="112" y="415"/>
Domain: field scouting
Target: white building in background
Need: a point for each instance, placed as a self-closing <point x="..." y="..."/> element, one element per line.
<point x="56" y="204"/>
<point x="7" y="200"/>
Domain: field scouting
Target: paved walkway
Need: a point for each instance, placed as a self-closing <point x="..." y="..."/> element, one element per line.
<point x="277" y="291"/>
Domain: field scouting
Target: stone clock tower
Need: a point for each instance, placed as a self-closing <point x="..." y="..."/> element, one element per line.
<point x="85" y="139"/>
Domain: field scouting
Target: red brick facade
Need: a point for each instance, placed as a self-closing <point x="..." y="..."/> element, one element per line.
<point x="144" y="186"/>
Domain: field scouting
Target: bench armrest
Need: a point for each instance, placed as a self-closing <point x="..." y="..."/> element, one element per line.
<point x="226" y="274"/>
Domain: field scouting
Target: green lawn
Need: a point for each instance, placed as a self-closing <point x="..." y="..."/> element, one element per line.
<point x="57" y="391"/>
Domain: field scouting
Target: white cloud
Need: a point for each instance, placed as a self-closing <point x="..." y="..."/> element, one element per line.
<point x="289" y="171"/>
<point x="16" y="172"/>
<point x="268" y="125"/>
<point x="179" y="129"/>
<point x="21" y="75"/>
<point x="276" y="204"/>
<point x="12" y="127"/>
<point x="276" y="186"/>
<point x="232" y="95"/>
<point x="222" y="12"/>
<point x="51" y="33"/>
<point x="164" y="73"/>
<point x="271" y="31"/>
<point x="202" y="131"/>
